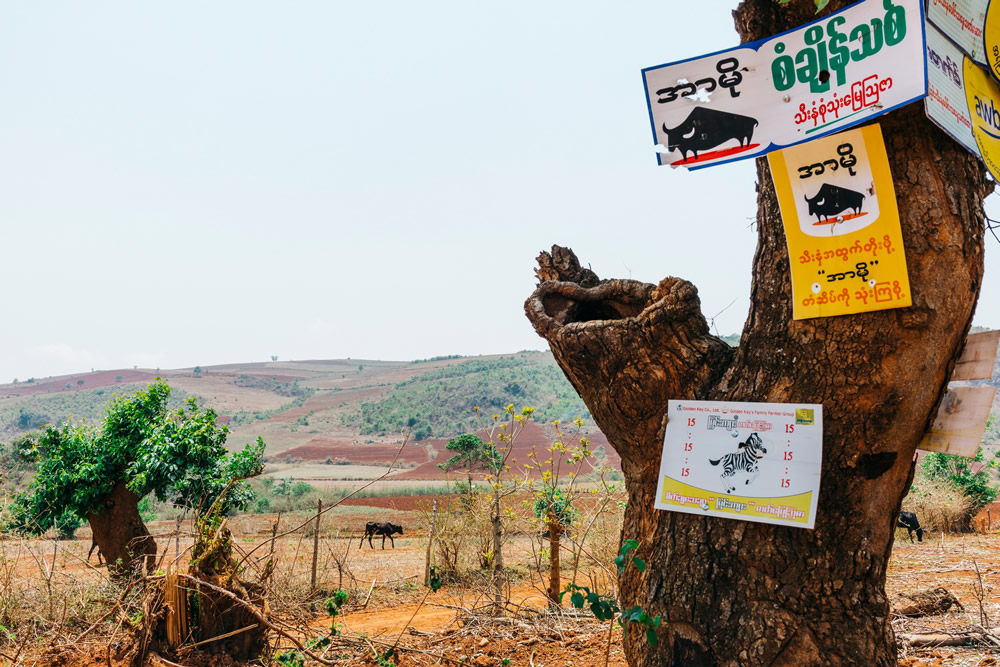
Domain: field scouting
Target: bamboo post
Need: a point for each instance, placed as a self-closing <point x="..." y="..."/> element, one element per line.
<point x="430" y="541"/>
<point x="319" y="512"/>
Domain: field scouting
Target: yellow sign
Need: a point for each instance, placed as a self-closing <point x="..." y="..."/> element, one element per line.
<point x="991" y="38"/>
<point x="845" y="245"/>
<point x="983" y="97"/>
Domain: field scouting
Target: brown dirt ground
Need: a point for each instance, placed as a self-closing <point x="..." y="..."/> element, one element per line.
<point x="439" y="628"/>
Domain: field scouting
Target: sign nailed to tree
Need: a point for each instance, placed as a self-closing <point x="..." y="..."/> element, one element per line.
<point x="839" y="211"/>
<point x="762" y="96"/>
<point x="750" y="461"/>
<point x="963" y="100"/>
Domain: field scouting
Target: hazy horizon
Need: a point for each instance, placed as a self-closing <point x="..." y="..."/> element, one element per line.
<point x="197" y="184"/>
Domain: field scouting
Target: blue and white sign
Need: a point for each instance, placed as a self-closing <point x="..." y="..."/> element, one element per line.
<point x="821" y="78"/>
<point x="945" y="103"/>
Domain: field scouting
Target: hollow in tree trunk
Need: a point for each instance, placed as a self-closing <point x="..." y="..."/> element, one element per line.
<point x="120" y="534"/>
<point x="739" y="593"/>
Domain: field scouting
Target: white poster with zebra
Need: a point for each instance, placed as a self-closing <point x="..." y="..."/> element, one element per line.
<point x="736" y="460"/>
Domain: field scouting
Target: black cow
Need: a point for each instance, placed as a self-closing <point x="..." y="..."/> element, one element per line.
<point x="831" y="200"/>
<point x="379" y="528"/>
<point x="908" y="520"/>
<point x="706" y="128"/>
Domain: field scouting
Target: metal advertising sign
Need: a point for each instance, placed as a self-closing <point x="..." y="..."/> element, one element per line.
<point x="945" y="103"/>
<point x="963" y="99"/>
<point x="841" y="70"/>
<point x="748" y="461"/>
<point x="974" y="27"/>
<point x="978" y="357"/>
<point x="838" y="206"/>
<point x="983" y="97"/>
<point x="991" y="39"/>
<point x="962" y="22"/>
<point x="960" y="421"/>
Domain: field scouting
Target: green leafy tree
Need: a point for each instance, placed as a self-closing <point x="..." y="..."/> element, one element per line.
<point x="555" y="489"/>
<point x="29" y="421"/>
<point x="66" y="525"/>
<point x="471" y="455"/>
<point x="99" y="474"/>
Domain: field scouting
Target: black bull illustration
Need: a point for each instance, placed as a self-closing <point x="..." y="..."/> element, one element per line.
<point x="832" y="200"/>
<point x="707" y="128"/>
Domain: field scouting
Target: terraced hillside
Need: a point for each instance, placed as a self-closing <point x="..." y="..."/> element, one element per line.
<point x="331" y="419"/>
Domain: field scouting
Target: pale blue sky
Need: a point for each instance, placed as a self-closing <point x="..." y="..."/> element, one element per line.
<point x="197" y="183"/>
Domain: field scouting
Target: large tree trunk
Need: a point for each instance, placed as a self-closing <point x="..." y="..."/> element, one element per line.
<point x="121" y="535"/>
<point x="739" y="593"/>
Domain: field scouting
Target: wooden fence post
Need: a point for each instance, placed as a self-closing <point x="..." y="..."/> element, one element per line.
<point x="430" y="541"/>
<point x="319" y="511"/>
<point x="274" y="534"/>
<point x="177" y="538"/>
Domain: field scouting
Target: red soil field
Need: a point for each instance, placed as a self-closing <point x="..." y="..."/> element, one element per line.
<point x="318" y="449"/>
<point x="90" y="381"/>
<point x="533" y="435"/>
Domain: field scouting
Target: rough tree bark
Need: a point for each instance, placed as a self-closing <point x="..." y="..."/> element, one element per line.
<point x="555" y="578"/>
<point x="738" y="593"/>
<point x="121" y="535"/>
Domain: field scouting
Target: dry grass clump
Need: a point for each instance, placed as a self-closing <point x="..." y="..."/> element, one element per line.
<point x="940" y="506"/>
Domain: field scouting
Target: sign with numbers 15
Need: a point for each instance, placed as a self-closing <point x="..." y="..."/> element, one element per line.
<point x="750" y="461"/>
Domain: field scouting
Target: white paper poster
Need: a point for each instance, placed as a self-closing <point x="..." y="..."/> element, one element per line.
<point x="749" y="461"/>
<point x="824" y="77"/>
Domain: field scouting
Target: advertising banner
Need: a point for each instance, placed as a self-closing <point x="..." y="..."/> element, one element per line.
<point x="960" y="422"/>
<point x="821" y="78"/>
<point x="962" y="21"/>
<point x="945" y="103"/>
<point x="983" y="97"/>
<point x="973" y="26"/>
<point x="748" y="461"/>
<point x="838" y="207"/>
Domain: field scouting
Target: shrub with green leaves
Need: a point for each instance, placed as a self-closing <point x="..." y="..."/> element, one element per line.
<point x="605" y="607"/>
<point x="973" y="481"/>
<point x="177" y="455"/>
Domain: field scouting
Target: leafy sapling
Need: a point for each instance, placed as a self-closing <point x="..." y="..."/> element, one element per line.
<point x="605" y="607"/>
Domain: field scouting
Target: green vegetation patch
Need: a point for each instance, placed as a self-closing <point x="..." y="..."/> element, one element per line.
<point x="290" y="389"/>
<point x="440" y="403"/>
<point x="26" y="413"/>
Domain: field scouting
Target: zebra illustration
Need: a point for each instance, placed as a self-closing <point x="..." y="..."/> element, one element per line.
<point x="742" y="460"/>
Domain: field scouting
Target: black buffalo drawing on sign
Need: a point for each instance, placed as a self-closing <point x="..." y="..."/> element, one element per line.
<point x="707" y="128"/>
<point x="832" y="200"/>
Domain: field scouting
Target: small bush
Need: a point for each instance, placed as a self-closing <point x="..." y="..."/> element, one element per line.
<point x="66" y="525"/>
<point x="939" y="505"/>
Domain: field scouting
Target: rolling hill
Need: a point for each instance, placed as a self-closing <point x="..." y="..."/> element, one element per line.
<point x="340" y="412"/>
